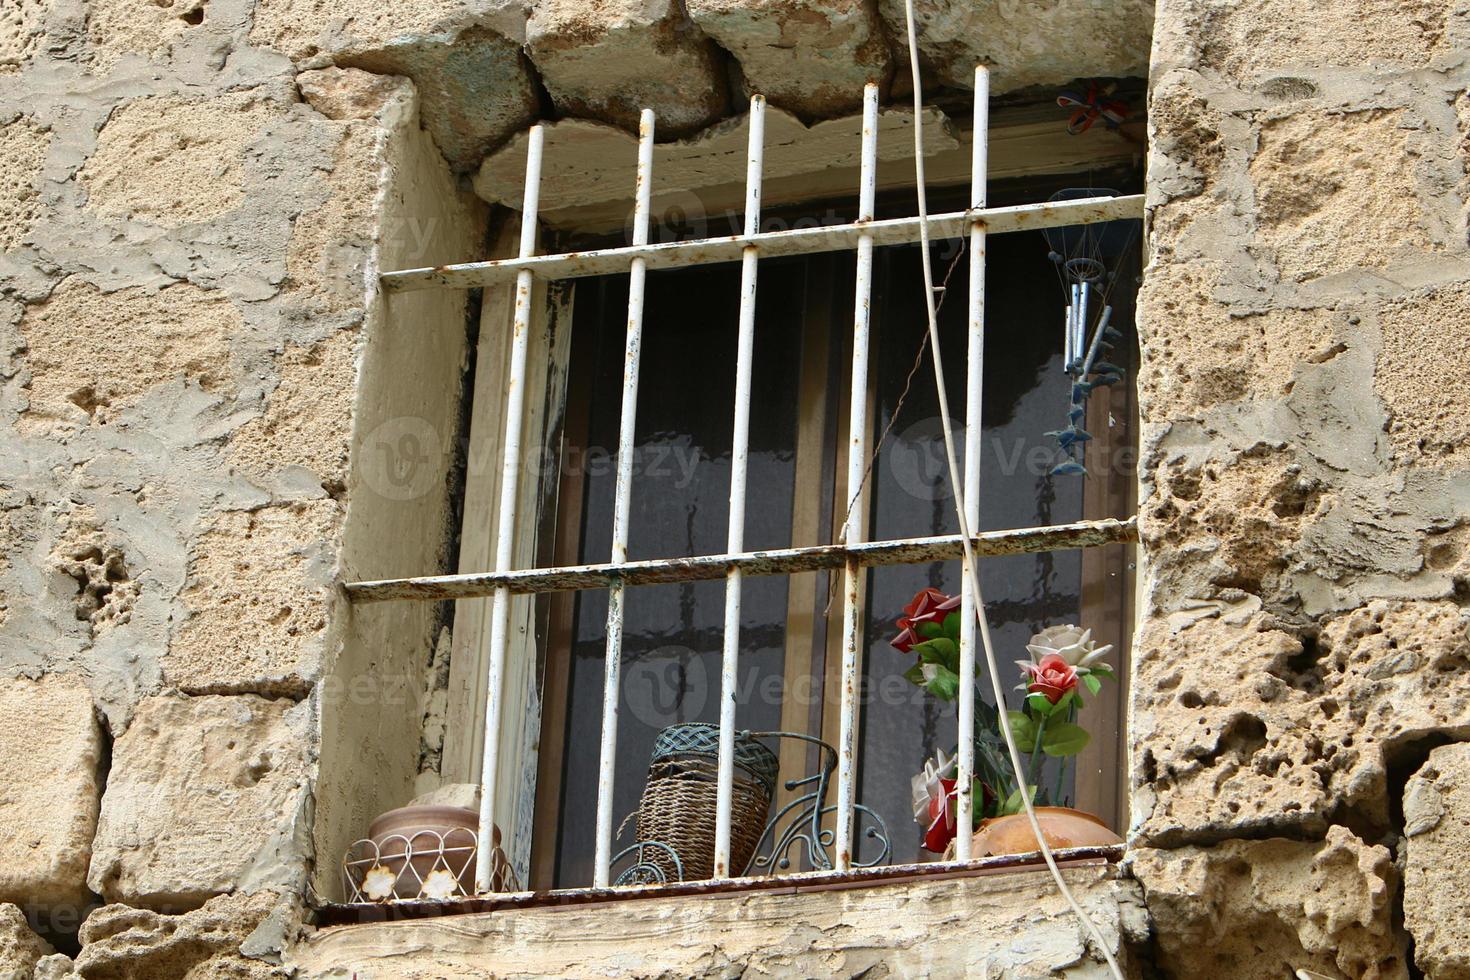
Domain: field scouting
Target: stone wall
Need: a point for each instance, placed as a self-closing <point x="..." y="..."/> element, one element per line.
<point x="1303" y="646"/>
<point x="204" y="397"/>
<point x="196" y="368"/>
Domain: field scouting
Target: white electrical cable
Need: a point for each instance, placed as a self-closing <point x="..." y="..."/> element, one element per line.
<point x="969" y="559"/>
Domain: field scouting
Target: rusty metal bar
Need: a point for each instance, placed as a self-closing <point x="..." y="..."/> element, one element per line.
<point x="782" y="561"/>
<point x="854" y="528"/>
<point x="796" y="241"/>
<point x="510" y="471"/>
<point x="739" y="458"/>
<point x="612" y="668"/>
<point x="974" y="382"/>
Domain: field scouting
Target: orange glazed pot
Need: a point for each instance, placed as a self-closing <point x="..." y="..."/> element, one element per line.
<point x="1060" y="825"/>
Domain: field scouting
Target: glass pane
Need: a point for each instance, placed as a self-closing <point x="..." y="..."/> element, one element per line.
<point x="1026" y="393"/>
<point x="680" y="506"/>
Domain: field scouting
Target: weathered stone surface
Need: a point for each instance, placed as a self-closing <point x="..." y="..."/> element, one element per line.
<point x="1248" y="38"/>
<point x="205" y="796"/>
<point x="175" y="161"/>
<point x="1014" y="925"/>
<point x="20" y="948"/>
<point x="23" y="148"/>
<point x="1316" y="215"/>
<point x="611" y="59"/>
<point x="1243" y="727"/>
<point x="300" y="441"/>
<point x="123" y="943"/>
<point x="1418" y="380"/>
<point x="810" y="58"/>
<point x="117" y="27"/>
<point x="1019" y="40"/>
<point x="1215" y="355"/>
<point x="1261" y="910"/>
<point x="347" y="93"/>
<point x="259" y="585"/>
<point x="476" y="87"/>
<point x="52" y="748"/>
<point x="137" y="339"/>
<point x="1437" y="838"/>
<point x="21" y="23"/>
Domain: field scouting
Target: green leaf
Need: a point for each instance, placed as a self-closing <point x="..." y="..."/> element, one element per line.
<point x="1093" y="684"/>
<point x="942" y="651"/>
<point x="915" y="675"/>
<point x="930" y="630"/>
<point x="945" y="684"/>
<point x="1013" y="803"/>
<point x="1023" y="728"/>
<point x="952" y="626"/>
<point x="1105" y="670"/>
<point x="1063" y="739"/>
<point x="1065" y="702"/>
<point x="1039" y="705"/>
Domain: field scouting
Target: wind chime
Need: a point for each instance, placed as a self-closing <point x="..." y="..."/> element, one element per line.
<point x="1087" y="258"/>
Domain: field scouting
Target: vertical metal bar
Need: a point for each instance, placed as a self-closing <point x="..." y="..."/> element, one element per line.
<point x="739" y="453"/>
<point x="607" y="761"/>
<point x="510" y="470"/>
<point x="974" y="382"/>
<point x="854" y="528"/>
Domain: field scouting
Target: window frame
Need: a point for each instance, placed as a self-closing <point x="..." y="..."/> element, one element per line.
<point x="529" y="615"/>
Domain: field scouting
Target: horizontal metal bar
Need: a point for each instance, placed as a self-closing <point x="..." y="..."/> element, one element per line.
<point x="785" y="561"/>
<point x="773" y="244"/>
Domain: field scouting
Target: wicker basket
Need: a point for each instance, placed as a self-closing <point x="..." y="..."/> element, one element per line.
<point x="678" y="804"/>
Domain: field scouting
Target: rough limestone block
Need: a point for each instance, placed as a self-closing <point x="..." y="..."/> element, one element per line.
<point x="140" y="944"/>
<point x="1242" y="727"/>
<point x="258" y="591"/>
<point x="172" y="161"/>
<point x="1336" y="192"/>
<point x="136" y="339"/>
<point x="476" y="87"/>
<point x="20" y="948"/>
<point x="811" y="58"/>
<point x="116" y="28"/>
<point x="1249" y="39"/>
<point x="1260" y="910"/>
<point x="21" y="25"/>
<point x="52" y="746"/>
<point x="1418" y="377"/>
<point x="205" y="796"/>
<point x="23" y="148"/>
<point x="307" y="419"/>
<point x="611" y="60"/>
<point x="1437" y="838"/>
<point x="1019" y="40"/>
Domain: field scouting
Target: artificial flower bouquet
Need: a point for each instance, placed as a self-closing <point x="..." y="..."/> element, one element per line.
<point x="1064" y="668"/>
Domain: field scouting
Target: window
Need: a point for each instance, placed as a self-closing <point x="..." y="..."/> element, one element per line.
<point x="545" y="628"/>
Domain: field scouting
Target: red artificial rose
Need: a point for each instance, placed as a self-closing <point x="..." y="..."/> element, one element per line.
<point x="941" y="819"/>
<point x="1053" y="677"/>
<point x="929" y="606"/>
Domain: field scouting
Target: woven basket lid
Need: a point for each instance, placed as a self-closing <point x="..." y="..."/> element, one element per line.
<point x="698" y="738"/>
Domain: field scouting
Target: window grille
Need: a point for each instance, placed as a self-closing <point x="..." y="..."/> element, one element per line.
<point x="852" y="554"/>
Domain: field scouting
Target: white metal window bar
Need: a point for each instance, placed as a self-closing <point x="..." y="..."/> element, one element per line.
<point x="852" y="554"/>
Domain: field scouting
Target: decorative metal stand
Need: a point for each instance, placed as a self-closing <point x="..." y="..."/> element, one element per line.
<point x="427" y="864"/>
<point x="686" y="847"/>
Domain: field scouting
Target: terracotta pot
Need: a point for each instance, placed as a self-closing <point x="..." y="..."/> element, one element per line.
<point x="410" y="838"/>
<point x="1060" y="825"/>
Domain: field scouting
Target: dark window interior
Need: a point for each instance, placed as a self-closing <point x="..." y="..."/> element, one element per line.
<point x="673" y="633"/>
